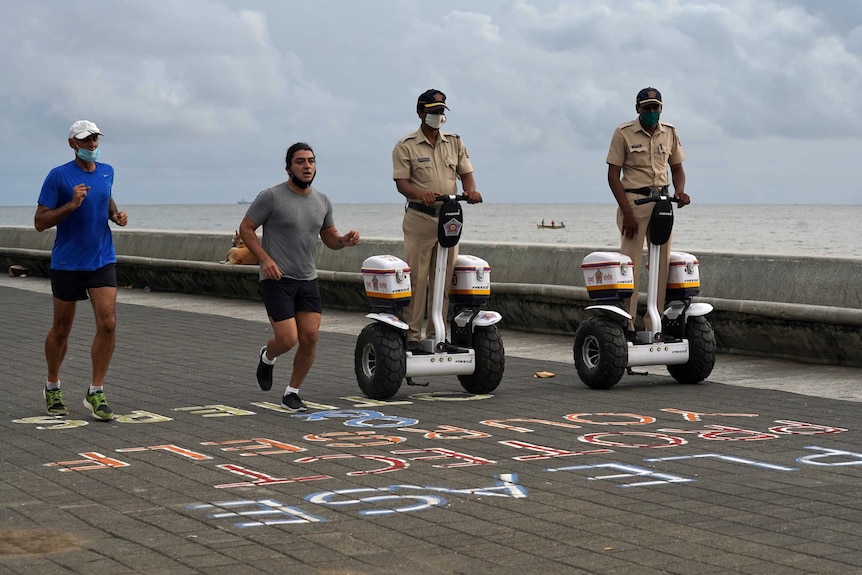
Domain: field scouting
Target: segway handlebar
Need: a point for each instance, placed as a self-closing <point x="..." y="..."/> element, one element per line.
<point x="457" y="198"/>
<point x="653" y="199"/>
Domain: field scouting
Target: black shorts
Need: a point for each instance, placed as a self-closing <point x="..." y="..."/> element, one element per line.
<point x="73" y="285"/>
<point x="284" y="297"/>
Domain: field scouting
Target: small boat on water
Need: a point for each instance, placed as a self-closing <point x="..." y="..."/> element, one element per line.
<point x="552" y="226"/>
<point x="243" y="201"/>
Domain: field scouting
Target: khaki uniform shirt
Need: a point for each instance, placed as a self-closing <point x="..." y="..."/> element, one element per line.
<point x="644" y="158"/>
<point x="431" y="168"/>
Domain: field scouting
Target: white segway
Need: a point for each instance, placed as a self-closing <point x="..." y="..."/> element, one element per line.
<point x="681" y="338"/>
<point x="474" y="352"/>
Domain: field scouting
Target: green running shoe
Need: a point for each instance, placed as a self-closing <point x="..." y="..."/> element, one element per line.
<point x="99" y="406"/>
<point x="54" y="401"/>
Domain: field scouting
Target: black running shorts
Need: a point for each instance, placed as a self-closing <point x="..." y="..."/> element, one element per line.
<point x="284" y="297"/>
<point x="69" y="285"/>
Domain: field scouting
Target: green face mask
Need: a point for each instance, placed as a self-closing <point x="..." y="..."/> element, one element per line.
<point x="649" y="119"/>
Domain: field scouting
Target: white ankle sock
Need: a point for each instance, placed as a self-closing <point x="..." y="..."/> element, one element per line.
<point x="94" y="389"/>
<point x="289" y="389"/>
<point x="266" y="360"/>
<point x="51" y="386"/>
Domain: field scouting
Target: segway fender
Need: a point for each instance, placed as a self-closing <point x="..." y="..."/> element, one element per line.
<point x="698" y="308"/>
<point x="615" y="310"/>
<point x="388" y="318"/>
<point x="486" y="318"/>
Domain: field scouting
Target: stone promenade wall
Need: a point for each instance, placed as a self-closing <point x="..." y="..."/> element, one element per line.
<point x="803" y="308"/>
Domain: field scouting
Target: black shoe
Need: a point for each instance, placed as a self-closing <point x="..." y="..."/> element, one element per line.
<point x="292" y="402"/>
<point x="413" y="346"/>
<point x="264" y="372"/>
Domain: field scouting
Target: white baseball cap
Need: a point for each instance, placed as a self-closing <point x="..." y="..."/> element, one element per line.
<point x="83" y="128"/>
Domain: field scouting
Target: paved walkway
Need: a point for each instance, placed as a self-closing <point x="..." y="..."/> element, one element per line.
<point x="204" y="473"/>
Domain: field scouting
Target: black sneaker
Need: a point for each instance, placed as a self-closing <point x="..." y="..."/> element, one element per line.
<point x="264" y="372"/>
<point x="292" y="402"/>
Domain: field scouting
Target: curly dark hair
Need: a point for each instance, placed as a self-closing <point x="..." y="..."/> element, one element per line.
<point x="291" y="151"/>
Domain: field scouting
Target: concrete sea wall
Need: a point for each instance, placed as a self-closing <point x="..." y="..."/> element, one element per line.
<point x="802" y="308"/>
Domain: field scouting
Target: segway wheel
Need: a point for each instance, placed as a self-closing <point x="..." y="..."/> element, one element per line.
<point x="380" y="361"/>
<point x="601" y="352"/>
<point x="701" y="352"/>
<point x="490" y="361"/>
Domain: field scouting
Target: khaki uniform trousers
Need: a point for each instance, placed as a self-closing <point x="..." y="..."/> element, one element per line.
<point x="420" y="252"/>
<point x="634" y="248"/>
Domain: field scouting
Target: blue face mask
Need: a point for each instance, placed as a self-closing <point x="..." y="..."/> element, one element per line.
<point x="88" y="155"/>
<point x="649" y="119"/>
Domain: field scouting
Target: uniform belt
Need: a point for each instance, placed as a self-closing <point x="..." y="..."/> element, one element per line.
<point x="650" y="191"/>
<point x="430" y="210"/>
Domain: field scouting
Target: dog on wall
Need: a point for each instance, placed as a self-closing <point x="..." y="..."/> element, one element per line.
<point x="239" y="254"/>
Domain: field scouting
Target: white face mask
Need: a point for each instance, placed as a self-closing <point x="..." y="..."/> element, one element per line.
<point x="435" y="120"/>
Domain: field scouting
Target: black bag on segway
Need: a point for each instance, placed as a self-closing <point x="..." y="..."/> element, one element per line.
<point x="450" y="224"/>
<point x="661" y="222"/>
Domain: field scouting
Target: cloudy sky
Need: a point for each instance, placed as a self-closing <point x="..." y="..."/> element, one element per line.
<point x="198" y="99"/>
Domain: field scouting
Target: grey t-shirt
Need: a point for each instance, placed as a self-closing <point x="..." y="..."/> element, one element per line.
<point x="291" y="225"/>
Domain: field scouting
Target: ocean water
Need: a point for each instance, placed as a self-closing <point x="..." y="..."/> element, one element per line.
<point x="753" y="229"/>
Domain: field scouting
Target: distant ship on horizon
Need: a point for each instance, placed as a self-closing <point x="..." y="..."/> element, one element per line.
<point x="243" y="201"/>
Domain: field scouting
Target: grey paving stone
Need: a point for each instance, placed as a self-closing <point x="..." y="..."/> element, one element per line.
<point x="727" y="508"/>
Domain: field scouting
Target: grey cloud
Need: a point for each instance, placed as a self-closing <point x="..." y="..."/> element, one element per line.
<point x="188" y="67"/>
<point x="189" y="91"/>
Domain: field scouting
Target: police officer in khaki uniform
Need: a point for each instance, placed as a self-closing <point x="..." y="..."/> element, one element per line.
<point x="426" y="163"/>
<point x="638" y="158"/>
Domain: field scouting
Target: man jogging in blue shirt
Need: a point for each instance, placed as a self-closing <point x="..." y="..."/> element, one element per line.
<point x="76" y="198"/>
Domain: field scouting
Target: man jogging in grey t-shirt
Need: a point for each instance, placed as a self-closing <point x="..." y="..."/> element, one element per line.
<point x="293" y="214"/>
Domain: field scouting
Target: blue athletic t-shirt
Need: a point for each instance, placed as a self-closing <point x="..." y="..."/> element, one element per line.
<point x="83" y="240"/>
